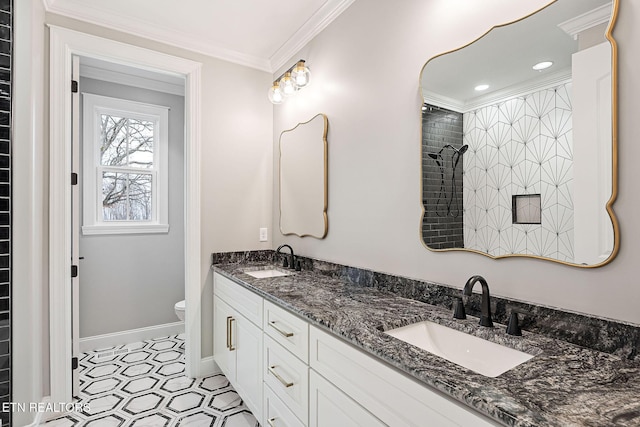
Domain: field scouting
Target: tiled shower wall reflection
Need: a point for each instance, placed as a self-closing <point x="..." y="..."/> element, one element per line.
<point x="5" y="206"/>
<point x="521" y="146"/>
<point x="441" y="189"/>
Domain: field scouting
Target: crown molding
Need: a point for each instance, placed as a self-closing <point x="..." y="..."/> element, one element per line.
<point x="81" y="11"/>
<point x="314" y="25"/>
<point x="150" y="30"/>
<point x="597" y="16"/>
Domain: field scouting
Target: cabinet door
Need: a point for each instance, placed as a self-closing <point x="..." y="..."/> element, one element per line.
<point x="246" y="339"/>
<point x="329" y="407"/>
<point x="222" y="315"/>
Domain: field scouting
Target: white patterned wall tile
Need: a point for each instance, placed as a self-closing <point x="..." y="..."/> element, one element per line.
<point x="565" y="246"/>
<point x="499" y="135"/>
<point x="511" y="110"/>
<point x="513" y="241"/>
<point x="549" y="243"/>
<point x="533" y="172"/>
<point x="526" y="128"/>
<point x="539" y="104"/>
<point x="565" y="146"/>
<point x="540" y="149"/>
<point x="565" y="198"/>
<point x="487" y="117"/>
<point x="520" y="146"/>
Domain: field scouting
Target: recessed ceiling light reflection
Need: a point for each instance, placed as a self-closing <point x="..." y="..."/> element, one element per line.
<point x="542" y="65"/>
<point x="480" y="88"/>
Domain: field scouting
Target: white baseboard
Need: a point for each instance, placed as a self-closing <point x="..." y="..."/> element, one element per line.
<point x="209" y="367"/>
<point x="130" y="336"/>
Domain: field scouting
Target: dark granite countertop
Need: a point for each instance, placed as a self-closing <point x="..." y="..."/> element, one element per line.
<point x="563" y="385"/>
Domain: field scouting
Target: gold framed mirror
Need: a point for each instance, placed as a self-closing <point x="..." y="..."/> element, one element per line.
<point x="303" y="179"/>
<point x="519" y="139"/>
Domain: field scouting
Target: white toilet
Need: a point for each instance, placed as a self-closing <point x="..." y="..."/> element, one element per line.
<point x="179" y="308"/>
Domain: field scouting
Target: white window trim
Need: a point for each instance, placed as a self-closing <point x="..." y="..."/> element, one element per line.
<point x="92" y="223"/>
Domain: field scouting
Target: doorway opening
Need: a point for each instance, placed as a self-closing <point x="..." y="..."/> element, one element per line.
<point x="64" y="44"/>
<point x="131" y="199"/>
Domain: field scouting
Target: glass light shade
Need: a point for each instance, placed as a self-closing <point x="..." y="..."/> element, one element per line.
<point x="300" y="74"/>
<point x="275" y="94"/>
<point x="287" y="85"/>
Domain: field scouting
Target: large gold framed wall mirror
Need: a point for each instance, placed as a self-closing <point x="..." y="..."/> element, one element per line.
<point x="519" y="139"/>
<point x="303" y="179"/>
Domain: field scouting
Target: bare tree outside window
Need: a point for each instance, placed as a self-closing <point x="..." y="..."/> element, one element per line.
<point x="126" y="150"/>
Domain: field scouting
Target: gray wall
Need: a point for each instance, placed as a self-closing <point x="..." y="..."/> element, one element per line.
<point x="133" y="281"/>
<point x="374" y="153"/>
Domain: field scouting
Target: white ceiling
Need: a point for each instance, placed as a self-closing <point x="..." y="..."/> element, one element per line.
<point x="503" y="58"/>
<point x="261" y="34"/>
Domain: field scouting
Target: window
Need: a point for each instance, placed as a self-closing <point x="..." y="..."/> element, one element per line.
<point x="125" y="163"/>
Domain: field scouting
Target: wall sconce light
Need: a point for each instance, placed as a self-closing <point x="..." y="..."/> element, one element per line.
<point x="292" y="80"/>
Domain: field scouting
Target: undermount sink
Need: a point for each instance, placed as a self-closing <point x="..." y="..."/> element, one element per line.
<point x="263" y="274"/>
<point x="479" y="355"/>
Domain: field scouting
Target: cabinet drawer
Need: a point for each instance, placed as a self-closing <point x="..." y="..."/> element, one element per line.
<point x="242" y="300"/>
<point x="276" y="413"/>
<point x="287" y="329"/>
<point x="329" y="407"/>
<point x="288" y="377"/>
<point x="388" y="394"/>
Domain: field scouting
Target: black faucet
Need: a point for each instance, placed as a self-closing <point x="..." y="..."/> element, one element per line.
<point x="485" y="319"/>
<point x="285" y="263"/>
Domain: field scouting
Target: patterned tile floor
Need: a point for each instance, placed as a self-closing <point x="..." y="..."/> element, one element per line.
<point x="143" y="385"/>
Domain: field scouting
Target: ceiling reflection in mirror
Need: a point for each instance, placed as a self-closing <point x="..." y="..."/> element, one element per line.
<point x="518" y="139"/>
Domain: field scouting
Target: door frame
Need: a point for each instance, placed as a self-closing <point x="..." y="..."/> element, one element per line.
<point x="63" y="44"/>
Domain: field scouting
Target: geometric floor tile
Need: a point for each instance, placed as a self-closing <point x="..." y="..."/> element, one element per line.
<point x="199" y="419"/>
<point x="215" y="382"/>
<point x="240" y="419"/>
<point x="155" y="420"/>
<point x="143" y="403"/>
<point x="185" y="402"/>
<point x="167" y="356"/>
<point x="140" y="384"/>
<point x="170" y="369"/>
<point x="146" y="387"/>
<point x="226" y="401"/>
<point x="177" y="384"/>
<point x="137" y="370"/>
<point x="102" y="386"/>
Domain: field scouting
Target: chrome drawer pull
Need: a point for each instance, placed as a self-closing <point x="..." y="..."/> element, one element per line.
<point x="270" y="421"/>
<point x="283" y="333"/>
<point x="278" y="377"/>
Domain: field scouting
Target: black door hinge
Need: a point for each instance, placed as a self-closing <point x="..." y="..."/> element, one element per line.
<point x="74" y="86"/>
<point x="74" y="178"/>
<point x="74" y="363"/>
<point x="74" y="271"/>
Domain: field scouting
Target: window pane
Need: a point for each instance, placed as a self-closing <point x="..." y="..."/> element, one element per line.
<point x="114" y="196"/>
<point x="140" y="143"/>
<point x="140" y="197"/>
<point x="113" y="141"/>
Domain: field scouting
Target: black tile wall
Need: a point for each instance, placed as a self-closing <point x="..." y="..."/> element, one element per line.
<point x="6" y="54"/>
<point x="442" y="226"/>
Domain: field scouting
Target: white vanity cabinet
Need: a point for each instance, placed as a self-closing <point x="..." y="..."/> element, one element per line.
<point x="292" y="374"/>
<point x="330" y="407"/>
<point x="237" y="341"/>
<point x="391" y="396"/>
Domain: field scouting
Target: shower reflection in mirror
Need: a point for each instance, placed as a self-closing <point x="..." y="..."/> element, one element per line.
<point x="442" y="186"/>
